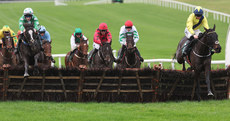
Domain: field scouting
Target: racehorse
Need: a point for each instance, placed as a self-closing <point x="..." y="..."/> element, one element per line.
<point x="103" y="58"/>
<point x="200" y="56"/>
<point x="7" y="57"/>
<point x="79" y="59"/>
<point x="30" y="49"/>
<point x="130" y="59"/>
<point x="47" y="53"/>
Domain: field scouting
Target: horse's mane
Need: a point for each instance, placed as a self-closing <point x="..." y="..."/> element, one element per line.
<point x="28" y="25"/>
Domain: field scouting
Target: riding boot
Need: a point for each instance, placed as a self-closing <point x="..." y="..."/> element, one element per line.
<point x="42" y="49"/>
<point x="52" y="59"/>
<point x="138" y="53"/>
<point x="90" y="58"/>
<point x="119" y="58"/>
<point x="186" y="46"/>
<point x="71" y="56"/>
<point x="17" y="48"/>
<point x="0" y="46"/>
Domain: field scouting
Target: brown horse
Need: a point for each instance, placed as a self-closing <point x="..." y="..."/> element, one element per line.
<point x="103" y="58"/>
<point x="7" y="57"/>
<point x="130" y="59"/>
<point x="79" y="59"/>
<point x="47" y="53"/>
<point x="200" y="56"/>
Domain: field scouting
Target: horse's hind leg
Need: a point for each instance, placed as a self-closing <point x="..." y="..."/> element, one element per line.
<point x="207" y="76"/>
<point x="26" y="68"/>
<point x="197" y="75"/>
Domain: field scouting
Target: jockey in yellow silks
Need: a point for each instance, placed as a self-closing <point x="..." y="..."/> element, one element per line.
<point x="194" y="22"/>
<point x="6" y="29"/>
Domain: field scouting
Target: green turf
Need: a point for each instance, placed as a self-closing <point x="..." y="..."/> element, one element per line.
<point x="173" y="111"/>
<point x="217" y="5"/>
<point x="160" y="28"/>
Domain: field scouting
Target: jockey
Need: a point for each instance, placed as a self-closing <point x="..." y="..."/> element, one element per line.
<point x="75" y="41"/>
<point x="194" y="22"/>
<point x="27" y="17"/>
<point x="128" y="28"/>
<point x="6" y="29"/>
<point x="101" y="35"/>
<point x="44" y="34"/>
<point x="45" y="37"/>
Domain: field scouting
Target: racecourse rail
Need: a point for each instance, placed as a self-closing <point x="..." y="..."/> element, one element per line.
<point x="146" y="61"/>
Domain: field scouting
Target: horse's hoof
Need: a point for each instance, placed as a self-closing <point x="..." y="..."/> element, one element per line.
<point x="36" y="72"/>
<point x="26" y="75"/>
<point x="210" y="94"/>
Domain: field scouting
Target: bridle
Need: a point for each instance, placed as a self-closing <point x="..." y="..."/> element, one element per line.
<point x="210" y="48"/>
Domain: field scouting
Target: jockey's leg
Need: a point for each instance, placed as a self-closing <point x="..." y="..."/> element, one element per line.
<point x="17" y="48"/>
<point x="90" y="58"/>
<point x="186" y="46"/>
<point x="39" y="38"/>
<point x="138" y="53"/>
<point x="52" y="59"/>
<point x="119" y="58"/>
<point x="0" y="44"/>
<point x="71" y="55"/>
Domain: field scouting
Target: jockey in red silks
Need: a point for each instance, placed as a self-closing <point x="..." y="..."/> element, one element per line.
<point x="101" y="35"/>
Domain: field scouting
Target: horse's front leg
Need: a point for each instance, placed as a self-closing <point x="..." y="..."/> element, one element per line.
<point x="36" y="57"/>
<point x="207" y="78"/>
<point x="26" y="64"/>
<point x="197" y="75"/>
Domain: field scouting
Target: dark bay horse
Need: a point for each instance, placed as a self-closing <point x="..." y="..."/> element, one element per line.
<point x="130" y="59"/>
<point x="103" y="58"/>
<point x="30" y="49"/>
<point x="200" y="56"/>
<point x="79" y="59"/>
<point x="7" y="57"/>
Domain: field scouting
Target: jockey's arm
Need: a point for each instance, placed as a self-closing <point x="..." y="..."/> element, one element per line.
<point x="72" y="43"/>
<point x="205" y="23"/>
<point x="122" y="38"/>
<point x="189" y="23"/>
<point x="85" y="39"/>
<point x="47" y="36"/>
<point x="136" y="35"/>
<point x="109" y="37"/>
<point x="21" y="27"/>
<point x="36" y="23"/>
<point x="15" y="39"/>
<point x="96" y="38"/>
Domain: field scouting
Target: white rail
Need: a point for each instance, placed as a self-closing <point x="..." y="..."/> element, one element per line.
<point x="146" y="61"/>
<point x="224" y="17"/>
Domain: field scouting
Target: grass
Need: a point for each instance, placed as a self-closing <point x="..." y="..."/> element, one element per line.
<point x="217" y="5"/>
<point x="178" y="111"/>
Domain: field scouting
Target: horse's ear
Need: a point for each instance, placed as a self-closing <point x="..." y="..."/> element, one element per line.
<point x="205" y="29"/>
<point x="32" y="24"/>
<point x="214" y="27"/>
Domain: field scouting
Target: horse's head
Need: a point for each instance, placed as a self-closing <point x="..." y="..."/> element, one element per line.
<point x="211" y="38"/>
<point x="130" y="42"/>
<point x="30" y="36"/>
<point x="83" y="48"/>
<point x="106" y="52"/>
<point x="8" y="41"/>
